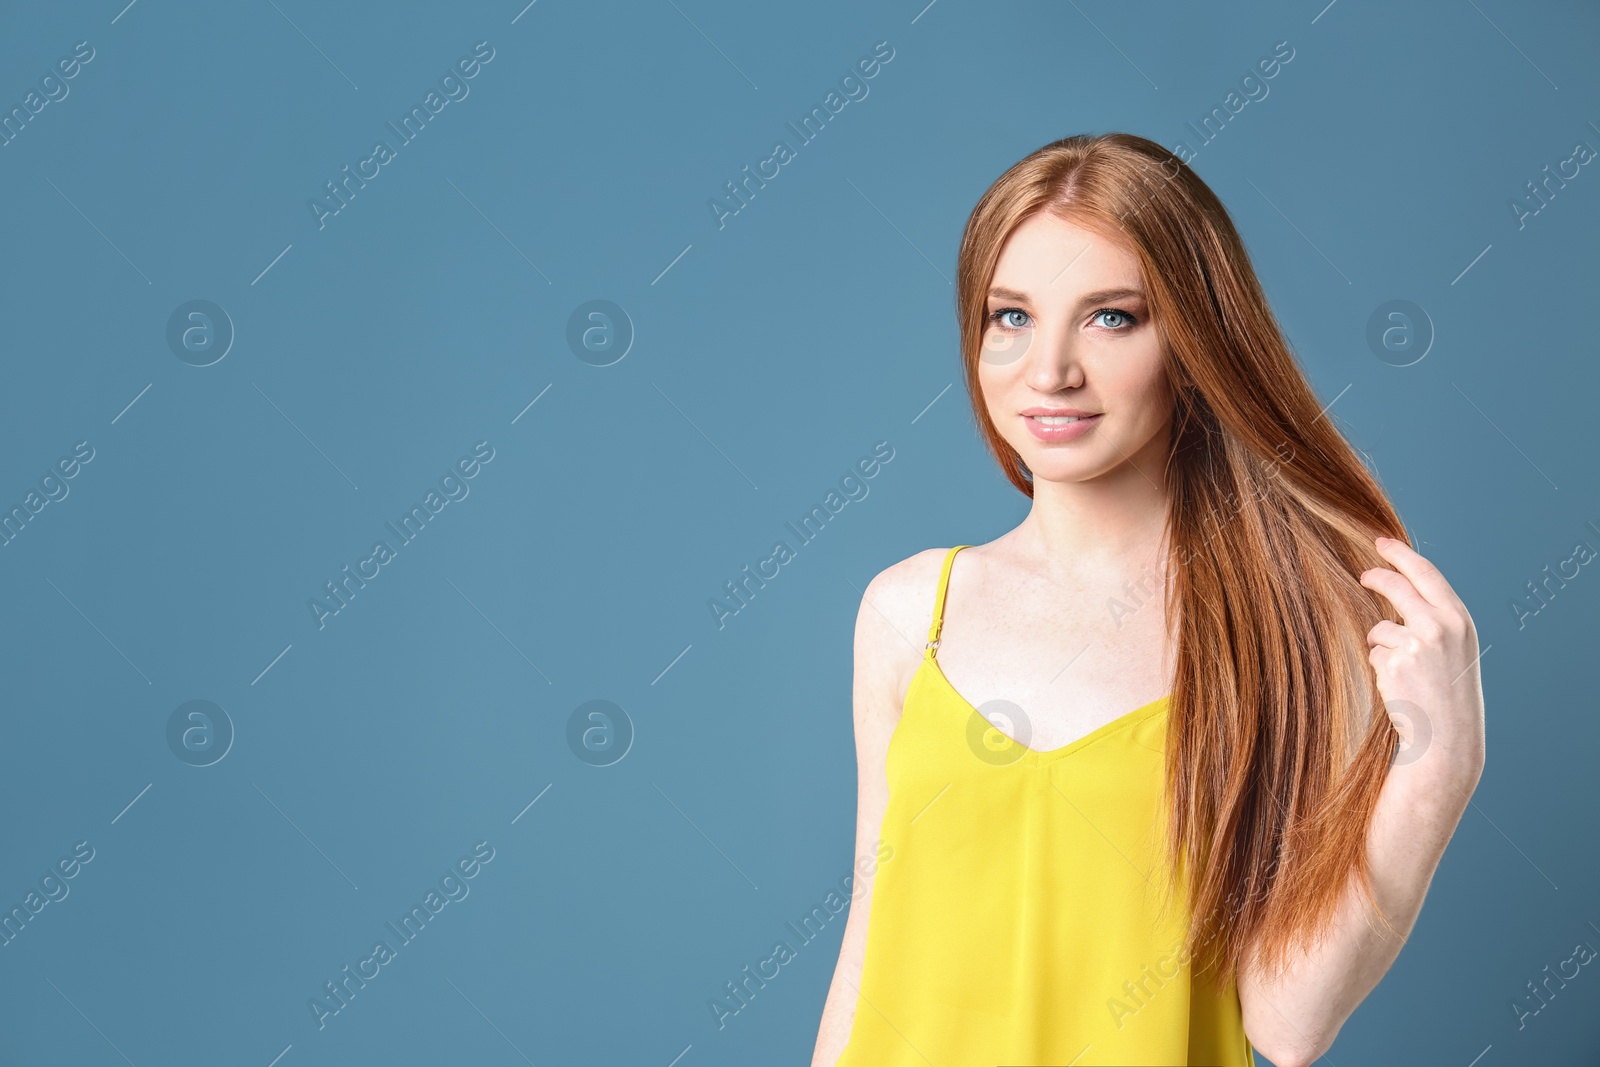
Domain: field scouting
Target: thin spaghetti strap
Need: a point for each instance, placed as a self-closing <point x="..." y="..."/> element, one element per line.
<point x="938" y="601"/>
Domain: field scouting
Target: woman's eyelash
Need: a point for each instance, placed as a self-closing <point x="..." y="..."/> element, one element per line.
<point x="996" y="317"/>
<point x="1114" y="311"/>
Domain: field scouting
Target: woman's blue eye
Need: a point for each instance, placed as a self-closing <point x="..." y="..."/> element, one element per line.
<point x="1122" y="317"/>
<point x="1017" y="319"/>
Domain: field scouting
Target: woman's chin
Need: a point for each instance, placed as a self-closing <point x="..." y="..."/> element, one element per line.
<point x="1048" y="468"/>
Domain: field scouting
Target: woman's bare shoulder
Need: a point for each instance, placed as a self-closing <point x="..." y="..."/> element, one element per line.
<point x="903" y="591"/>
<point x="892" y="624"/>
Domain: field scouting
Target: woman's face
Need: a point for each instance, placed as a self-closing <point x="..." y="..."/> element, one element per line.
<point x="1068" y="332"/>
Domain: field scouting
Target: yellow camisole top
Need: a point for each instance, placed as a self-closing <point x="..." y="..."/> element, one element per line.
<point x="1017" y="919"/>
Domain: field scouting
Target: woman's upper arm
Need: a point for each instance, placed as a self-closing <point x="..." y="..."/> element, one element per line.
<point x="884" y="658"/>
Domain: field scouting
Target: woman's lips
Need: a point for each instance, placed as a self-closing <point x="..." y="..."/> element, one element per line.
<point x="1060" y="429"/>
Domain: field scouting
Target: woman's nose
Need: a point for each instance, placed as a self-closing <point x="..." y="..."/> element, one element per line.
<point x="1051" y="363"/>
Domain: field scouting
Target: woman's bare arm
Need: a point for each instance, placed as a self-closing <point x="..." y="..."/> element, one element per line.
<point x="1428" y="665"/>
<point x="884" y="660"/>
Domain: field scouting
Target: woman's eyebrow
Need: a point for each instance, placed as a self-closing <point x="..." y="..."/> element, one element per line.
<point x="1100" y="296"/>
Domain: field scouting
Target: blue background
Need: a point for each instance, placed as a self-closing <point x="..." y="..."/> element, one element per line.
<point x="769" y="355"/>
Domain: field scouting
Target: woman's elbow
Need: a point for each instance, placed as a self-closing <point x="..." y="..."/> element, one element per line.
<point x="1289" y="1052"/>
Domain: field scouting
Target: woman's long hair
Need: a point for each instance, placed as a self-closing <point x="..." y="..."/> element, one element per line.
<point x="1275" y="756"/>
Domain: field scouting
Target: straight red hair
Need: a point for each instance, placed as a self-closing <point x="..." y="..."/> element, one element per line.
<point x="1275" y="755"/>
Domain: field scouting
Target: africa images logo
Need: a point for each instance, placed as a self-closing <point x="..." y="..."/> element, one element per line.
<point x="453" y="85"/>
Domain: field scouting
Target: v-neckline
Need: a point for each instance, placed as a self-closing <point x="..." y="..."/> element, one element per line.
<point x="1036" y="756"/>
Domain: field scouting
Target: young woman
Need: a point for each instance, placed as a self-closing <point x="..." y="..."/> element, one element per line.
<point x="1234" y="863"/>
